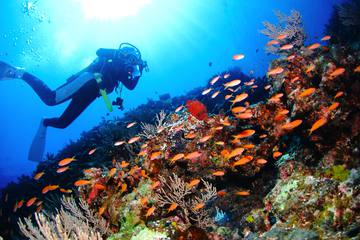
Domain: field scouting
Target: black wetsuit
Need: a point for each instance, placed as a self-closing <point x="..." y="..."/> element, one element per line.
<point x="113" y="71"/>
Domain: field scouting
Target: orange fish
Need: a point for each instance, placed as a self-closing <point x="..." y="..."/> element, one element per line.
<point x="275" y="71"/>
<point x="144" y="201"/>
<point x="291" y="125"/>
<point x="279" y="117"/>
<point x="218" y="128"/>
<point x="232" y="83"/>
<point x="66" y="161"/>
<point x="190" y="135"/>
<point x="221" y="193"/>
<point x="131" y="125"/>
<point x="20" y="204"/>
<point x="218" y="173"/>
<point x="310" y="68"/>
<point x="249" y="146"/>
<point x="214" y="80"/>
<point x="221" y="143"/>
<point x="319" y="123"/>
<point x="150" y="212"/>
<point x="281" y="36"/>
<point x="240" y="98"/>
<point x="263" y="136"/>
<point x="326" y="38"/>
<point x="89" y="170"/>
<point x="178" y="109"/>
<point x="239" y="109"/>
<point x="112" y="171"/>
<point x="243" y="161"/>
<point x="214" y="95"/>
<point x="227" y="75"/>
<point x="155" y="185"/>
<point x="314" y="46"/>
<point x="199" y="206"/>
<point x="267" y="87"/>
<point x="307" y="92"/>
<point x="337" y="72"/>
<point x="193" y="155"/>
<point x="177" y="157"/>
<point x="276" y="97"/>
<point x="243" y="193"/>
<point x="245" y="134"/>
<point x="206" y="91"/>
<point x="338" y="94"/>
<point x="31" y="201"/>
<point x="227" y="97"/>
<point x="62" y="169"/>
<point x="92" y="151"/>
<point x="119" y="143"/>
<point x="272" y="42"/>
<point x="63" y="190"/>
<point x="99" y="186"/>
<point x="155" y="155"/>
<point x="39" y="203"/>
<point x="261" y="161"/>
<point x="134" y="139"/>
<point x="197" y="109"/>
<point x="143" y="173"/>
<point x="193" y="183"/>
<point x="123" y="187"/>
<point x="284" y="111"/>
<point x="225" y="153"/>
<point x="238" y="57"/>
<point x="246" y="115"/>
<point x="205" y="139"/>
<point x="49" y="188"/>
<point x="172" y="207"/>
<point x="101" y="210"/>
<point x="81" y="182"/>
<point x="124" y="164"/>
<point x="286" y="47"/>
<point x="333" y="106"/>
<point x="357" y="69"/>
<point x="38" y="175"/>
<point x="294" y="79"/>
<point x="276" y="154"/>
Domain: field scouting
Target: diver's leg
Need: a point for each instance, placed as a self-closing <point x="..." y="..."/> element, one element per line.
<point x="42" y="90"/>
<point x="77" y="105"/>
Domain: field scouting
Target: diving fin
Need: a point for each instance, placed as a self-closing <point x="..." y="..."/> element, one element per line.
<point x="9" y="72"/>
<point x="37" y="148"/>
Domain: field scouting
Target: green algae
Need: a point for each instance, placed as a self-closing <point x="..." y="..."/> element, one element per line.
<point x="338" y="172"/>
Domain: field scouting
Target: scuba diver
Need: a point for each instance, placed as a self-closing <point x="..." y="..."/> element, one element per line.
<point x="110" y="70"/>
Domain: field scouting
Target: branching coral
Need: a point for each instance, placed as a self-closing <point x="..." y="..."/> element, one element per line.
<point x="151" y="130"/>
<point x="349" y="13"/>
<point x="175" y="190"/>
<point x="290" y="25"/>
<point x="71" y="222"/>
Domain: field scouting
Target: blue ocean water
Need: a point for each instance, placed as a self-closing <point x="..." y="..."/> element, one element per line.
<point x="178" y="38"/>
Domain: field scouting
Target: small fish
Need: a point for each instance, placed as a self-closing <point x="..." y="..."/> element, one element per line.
<point x="286" y="47"/>
<point x="310" y="68"/>
<point x="39" y="203"/>
<point x="238" y="57"/>
<point x="279" y="117"/>
<point x="177" y="157"/>
<point x="357" y="69"/>
<point x="333" y="106"/>
<point x="276" y="97"/>
<point x="38" y="175"/>
<point x="314" y="46"/>
<point x="235" y="152"/>
<point x="199" y="206"/>
<point x="215" y="94"/>
<point x="227" y="75"/>
<point x="242" y="193"/>
<point x="245" y="115"/>
<point x="220" y="143"/>
<point x="218" y="128"/>
<point x="88" y="171"/>
<point x="155" y="185"/>
<point x="326" y="38"/>
<point x="307" y="92"/>
<point x="38" y="209"/>
<point x="275" y="71"/>
<point x="291" y="125"/>
<point x="155" y="155"/>
<point x="244" y="160"/>
<point x="101" y="210"/>
<point x="92" y="151"/>
<point x="131" y="125"/>
<point x="20" y="204"/>
<point x="150" y="212"/>
<point x="119" y="143"/>
<point x="267" y="87"/>
<point x="193" y="155"/>
<point x="272" y="42"/>
<point x="237" y="110"/>
<point x="31" y="201"/>
<point x="49" y="188"/>
<point x="291" y="57"/>
<point x="144" y="201"/>
<point x="281" y="36"/>
<point x="221" y="193"/>
<point x="249" y="146"/>
<point x="193" y="183"/>
<point x="205" y="139"/>
<point x="63" y="190"/>
<point x="276" y="154"/>
<point x="66" y="161"/>
<point x="284" y="111"/>
<point x="227" y="97"/>
<point x="245" y="134"/>
<point x="143" y="173"/>
<point x="112" y="171"/>
<point x="81" y="182"/>
<point x="124" y="164"/>
<point x="232" y="83"/>
<point x="218" y="173"/>
<point x="172" y="207"/>
<point x="319" y="123"/>
<point x="134" y="139"/>
<point x="240" y="98"/>
<point x="214" y="80"/>
<point x="123" y="187"/>
<point x="99" y="186"/>
<point x="263" y="136"/>
<point x="178" y="109"/>
<point x="337" y="72"/>
<point x="62" y="169"/>
<point x="261" y="161"/>
<point x="338" y="94"/>
<point x="206" y="91"/>
<point x="190" y="135"/>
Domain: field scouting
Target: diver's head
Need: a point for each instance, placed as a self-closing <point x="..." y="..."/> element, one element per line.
<point x="130" y="57"/>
